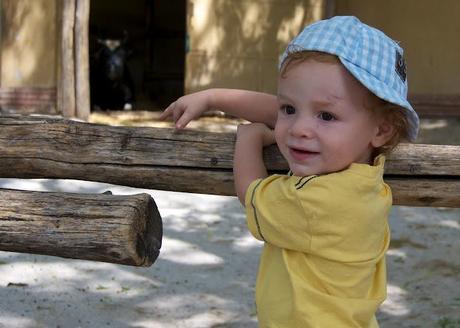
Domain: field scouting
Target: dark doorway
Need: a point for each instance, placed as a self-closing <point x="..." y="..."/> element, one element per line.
<point x="154" y="32"/>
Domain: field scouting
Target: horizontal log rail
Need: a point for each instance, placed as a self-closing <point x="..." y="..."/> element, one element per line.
<point x="190" y="161"/>
<point x="436" y="105"/>
<point x="99" y="227"/>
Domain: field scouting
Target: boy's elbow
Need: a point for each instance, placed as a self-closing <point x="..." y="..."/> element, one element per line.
<point x="241" y="193"/>
<point x="243" y="183"/>
<point x="242" y="199"/>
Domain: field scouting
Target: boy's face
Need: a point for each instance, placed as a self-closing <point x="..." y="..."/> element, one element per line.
<point x="322" y="124"/>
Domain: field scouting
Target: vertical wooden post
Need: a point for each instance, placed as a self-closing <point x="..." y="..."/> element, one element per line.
<point x="1" y="39"/>
<point x="82" y="93"/>
<point x="66" y="75"/>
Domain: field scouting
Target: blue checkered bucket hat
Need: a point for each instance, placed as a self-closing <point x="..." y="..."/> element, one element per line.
<point x="369" y="55"/>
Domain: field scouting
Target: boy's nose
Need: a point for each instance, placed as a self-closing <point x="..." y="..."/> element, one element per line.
<point x="303" y="128"/>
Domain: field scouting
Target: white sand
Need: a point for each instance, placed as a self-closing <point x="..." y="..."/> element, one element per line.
<point x="206" y="271"/>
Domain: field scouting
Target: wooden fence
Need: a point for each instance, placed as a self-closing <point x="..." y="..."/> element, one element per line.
<point x="153" y="158"/>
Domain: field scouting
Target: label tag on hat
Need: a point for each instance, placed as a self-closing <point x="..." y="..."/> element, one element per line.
<point x="401" y="66"/>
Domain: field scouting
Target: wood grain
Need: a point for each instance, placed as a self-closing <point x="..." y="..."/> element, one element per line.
<point x="99" y="227"/>
<point x="192" y="161"/>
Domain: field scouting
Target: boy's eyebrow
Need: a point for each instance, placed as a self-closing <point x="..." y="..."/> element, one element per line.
<point x="334" y="98"/>
<point x="328" y="100"/>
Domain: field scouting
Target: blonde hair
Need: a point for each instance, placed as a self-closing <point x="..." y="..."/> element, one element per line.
<point x="393" y="114"/>
<point x="295" y="58"/>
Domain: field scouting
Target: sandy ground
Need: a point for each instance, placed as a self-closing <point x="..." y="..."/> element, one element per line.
<point x="205" y="274"/>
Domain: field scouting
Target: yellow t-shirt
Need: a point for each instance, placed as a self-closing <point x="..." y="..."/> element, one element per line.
<point x="323" y="262"/>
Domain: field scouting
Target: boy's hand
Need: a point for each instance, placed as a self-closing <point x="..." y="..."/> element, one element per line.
<point x="187" y="108"/>
<point x="256" y="131"/>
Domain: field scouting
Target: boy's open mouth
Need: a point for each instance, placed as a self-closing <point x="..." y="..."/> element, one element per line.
<point x="301" y="154"/>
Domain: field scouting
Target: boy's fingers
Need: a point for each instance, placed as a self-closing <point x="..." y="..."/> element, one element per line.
<point x="183" y="120"/>
<point x="167" y="112"/>
<point x="176" y="114"/>
<point x="164" y="115"/>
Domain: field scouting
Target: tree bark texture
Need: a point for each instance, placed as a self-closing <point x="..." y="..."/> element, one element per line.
<point x="190" y="161"/>
<point x="117" y="229"/>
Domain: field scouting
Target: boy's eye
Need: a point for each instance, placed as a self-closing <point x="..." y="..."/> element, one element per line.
<point x="325" y="116"/>
<point x="289" y="110"/>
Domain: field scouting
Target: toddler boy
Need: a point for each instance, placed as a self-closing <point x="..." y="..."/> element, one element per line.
<point x="341" y="105"/>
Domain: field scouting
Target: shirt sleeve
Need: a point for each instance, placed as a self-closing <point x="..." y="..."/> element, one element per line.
<point x="339" y="217"/>
<point x="275" y="213"/>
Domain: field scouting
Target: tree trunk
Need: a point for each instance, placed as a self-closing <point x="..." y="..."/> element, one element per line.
<point x="190" y="161"/>
<point x="100" y="227"/>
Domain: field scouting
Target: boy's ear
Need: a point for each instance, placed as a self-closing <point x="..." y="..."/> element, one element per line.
<point x="384" y="132"/>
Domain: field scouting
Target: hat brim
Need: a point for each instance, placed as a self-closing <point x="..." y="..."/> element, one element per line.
<point x="381" y="90"/>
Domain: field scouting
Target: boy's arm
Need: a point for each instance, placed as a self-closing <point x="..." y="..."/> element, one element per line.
<point x="250" y="105"/>
<point x="248" y="162"/>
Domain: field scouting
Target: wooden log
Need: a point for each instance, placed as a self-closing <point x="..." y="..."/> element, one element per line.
<point x="436" y="105"/>
<point x="100" y="227"/>
<point x="191" y="161"/>
<point x="433" y="192"/>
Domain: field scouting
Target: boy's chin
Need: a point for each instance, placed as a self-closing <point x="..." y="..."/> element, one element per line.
<point x="303" y="171"/>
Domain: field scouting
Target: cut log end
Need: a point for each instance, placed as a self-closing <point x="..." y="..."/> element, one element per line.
<point x="99" y="227"/>
<point x="148" y="241"/>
